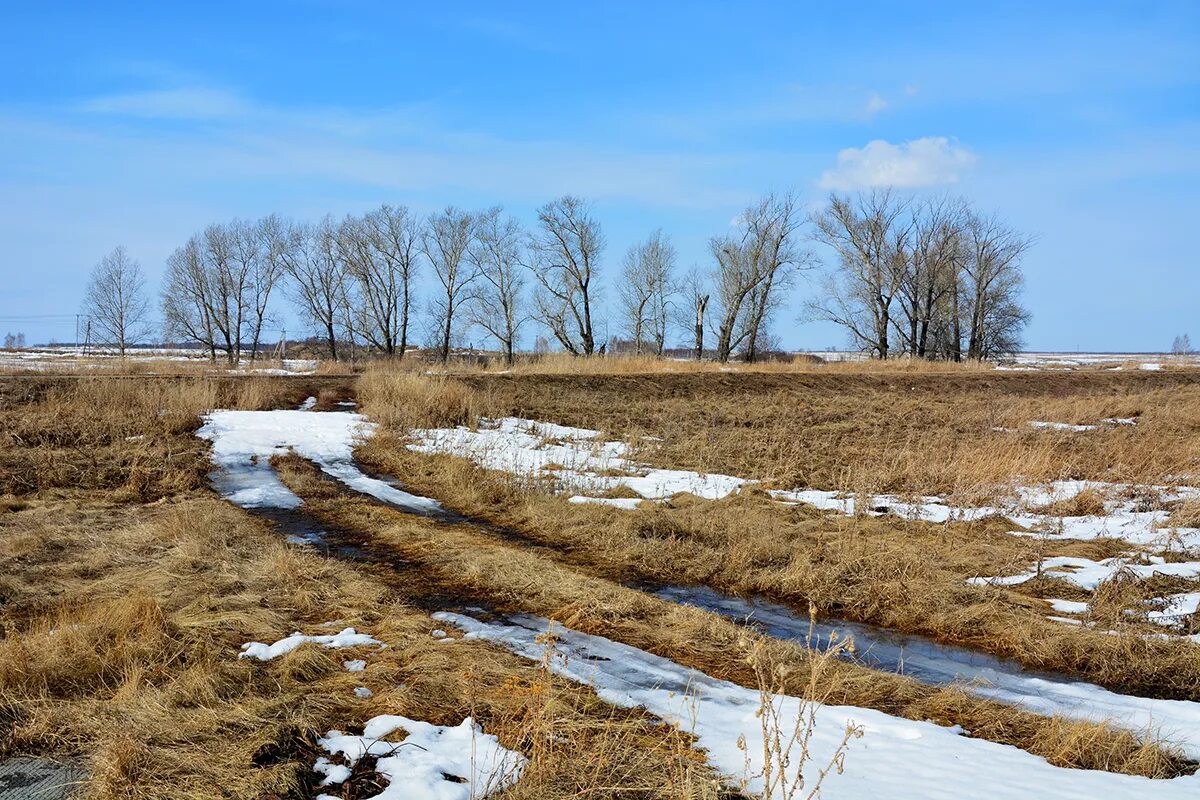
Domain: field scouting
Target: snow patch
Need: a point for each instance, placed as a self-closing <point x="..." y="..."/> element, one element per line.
<point x="571" y="459"/>
<point x="243" y="443"/>
<point x="428" y="762"/>
<point x="265" y="652"/>
<point x="897" y="758"/>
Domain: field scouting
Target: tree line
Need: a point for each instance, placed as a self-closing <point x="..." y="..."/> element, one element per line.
<point x="926" y="278"/>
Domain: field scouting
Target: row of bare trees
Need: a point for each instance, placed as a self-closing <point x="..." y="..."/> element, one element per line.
<point x="352" y="279"/>
<point x="218" y="286"/>
<point x="931" y="279"/>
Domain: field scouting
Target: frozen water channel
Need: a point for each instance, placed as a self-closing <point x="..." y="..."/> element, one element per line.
<point x="895" y="758"/>
<point x="943" y="665"/>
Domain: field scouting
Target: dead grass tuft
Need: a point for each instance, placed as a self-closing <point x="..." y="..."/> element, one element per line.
<point x="404" y="399"/>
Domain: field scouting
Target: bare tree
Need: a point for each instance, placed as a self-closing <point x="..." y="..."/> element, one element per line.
<point x="379" y="251"/>
<point x="1182" y="345"/>
<point x="446" y="242"/>
<point x="870" y="235"/>
<point x="252" y="257"/>
<point x="205" y="296"/>
<point x="992" y="284"/>
<point x="188" y="298"/>
<point x="565" y="253"/>
<point x="646" y="290"/>
<point x="116" y="302"/>
<point x="695" y="306"/>
<point x="496" y="254"/>
<point x="930" y="271"/>
<point x="229" y="277"/>
<point x="400" y="234"/>
<point x="308" y="255"/>
<point x="752" y="266"/>
<point x="942" y="277"/>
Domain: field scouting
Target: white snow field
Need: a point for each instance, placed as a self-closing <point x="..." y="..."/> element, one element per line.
<point x="895" y="758"/>
<point x="423" y="762"/>
<point x="1177" y="721"/>
<point x="243" y="443"/>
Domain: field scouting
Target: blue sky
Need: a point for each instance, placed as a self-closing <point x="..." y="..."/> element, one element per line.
<point x="137" y="124"/>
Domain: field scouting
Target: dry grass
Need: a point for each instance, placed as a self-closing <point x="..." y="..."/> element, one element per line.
<point x="121" y="624"/>
<point x="121" y="649"/>
<point x="566" y="364"/>
<point x="122" y="618"/>
<point x="903" y="575"/>
<point x="404" y="399"/>
<point x="473" y="565"/>
<point x="921" y="432"/>
<point x="126" y="435"/>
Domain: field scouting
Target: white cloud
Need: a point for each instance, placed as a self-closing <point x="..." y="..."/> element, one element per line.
<point x="171" y="104"/>
<point x="931" y="161"/>
<point x="875" y="104"/>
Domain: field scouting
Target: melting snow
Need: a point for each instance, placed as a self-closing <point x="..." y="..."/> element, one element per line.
<point x="243" y="443"/>
<point x="577" y="459"/>
<point x="427" y="762"/>
<point x="896" y="758"/>
<point x="572" y="458"/>
<point x="944" y="665"/>
<point x="265" y="652"/>
<point x="1068" y="606"/>
<point x="1061" y="426"/>
<point x="1088" y="574"/>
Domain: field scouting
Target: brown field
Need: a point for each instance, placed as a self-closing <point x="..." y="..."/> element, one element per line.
<point x="129" y="585"/>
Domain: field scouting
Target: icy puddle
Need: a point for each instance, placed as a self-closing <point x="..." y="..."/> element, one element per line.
<point x="942" y="665"/>
<point x="895" y="758"/>
<point x="243" y="443"/>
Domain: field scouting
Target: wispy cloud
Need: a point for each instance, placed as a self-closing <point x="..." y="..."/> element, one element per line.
<point x="875" y="104"/>
<point x="195" y="104"/>
<point x="931" y="161"/>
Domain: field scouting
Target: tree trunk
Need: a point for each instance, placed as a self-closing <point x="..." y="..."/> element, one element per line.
<point x="404" y="326"/>
<point x="957" y="326"/>
<point x="446" y="338"/>
<point x="331" y="340"/>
